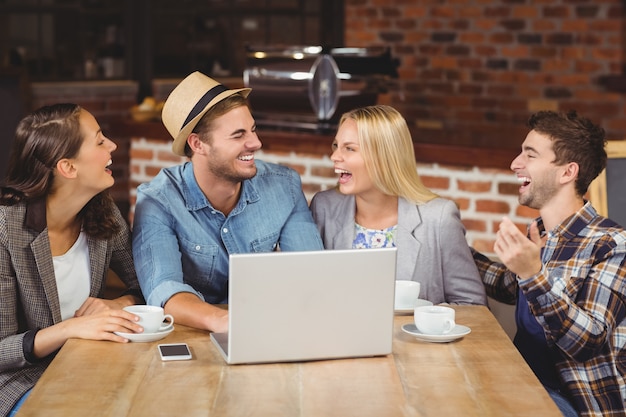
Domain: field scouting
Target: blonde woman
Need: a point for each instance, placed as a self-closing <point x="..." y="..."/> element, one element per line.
<point x="380" y="201"/>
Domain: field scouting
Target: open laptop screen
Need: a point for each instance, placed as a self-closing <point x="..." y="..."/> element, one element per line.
<point x="295" y="306"/>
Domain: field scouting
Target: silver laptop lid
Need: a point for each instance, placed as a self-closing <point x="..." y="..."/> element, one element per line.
<point x="295" y="306"/>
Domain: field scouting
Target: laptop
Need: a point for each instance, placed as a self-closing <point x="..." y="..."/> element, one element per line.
<point x="313" y="305"/>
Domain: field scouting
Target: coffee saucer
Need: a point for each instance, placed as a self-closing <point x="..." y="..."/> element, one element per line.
<point x="145" y="337"/>
<point x="409" y="310"/>
<point x="456" y="333"/>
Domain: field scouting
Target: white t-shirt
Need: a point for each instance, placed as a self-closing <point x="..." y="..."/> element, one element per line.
<point x="72" y="274"/>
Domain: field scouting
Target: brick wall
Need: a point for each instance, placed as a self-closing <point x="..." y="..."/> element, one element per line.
<point x="483" y="195"/>
<point x="476" y="69"/>
<point x="472" y="70"/>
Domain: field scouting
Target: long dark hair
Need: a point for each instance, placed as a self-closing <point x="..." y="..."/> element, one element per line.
<point x="42" y="139"/>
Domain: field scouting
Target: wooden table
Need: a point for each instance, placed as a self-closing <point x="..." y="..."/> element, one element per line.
<point x="481" y="374"/>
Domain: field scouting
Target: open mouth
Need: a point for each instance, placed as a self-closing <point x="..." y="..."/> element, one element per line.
<point x="107" y="169"/>
<point x="344" y="176"/>
<point x="246" y="158"/>
<point x="525" y="181"/>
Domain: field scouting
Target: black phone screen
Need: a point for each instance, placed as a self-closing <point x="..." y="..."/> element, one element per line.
<point x="174" y="350"/>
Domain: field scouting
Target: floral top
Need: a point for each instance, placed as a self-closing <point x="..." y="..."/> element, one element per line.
<point x="374" y="238"/>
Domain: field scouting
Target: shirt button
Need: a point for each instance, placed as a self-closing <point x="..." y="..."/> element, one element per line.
<point x="197" y="247"/>
<point x="225" y="230"/>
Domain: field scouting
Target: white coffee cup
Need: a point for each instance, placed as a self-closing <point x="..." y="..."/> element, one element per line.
<point x="407" y="293"/>
<point x="434" y="320"/>
<point x="151" y="318"/>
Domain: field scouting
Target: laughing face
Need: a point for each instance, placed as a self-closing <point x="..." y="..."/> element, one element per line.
<point x="94" y="157"/>
<point x="536" y="171"/>
<point x="349" y="162"/>
<point x="232" y="146"/>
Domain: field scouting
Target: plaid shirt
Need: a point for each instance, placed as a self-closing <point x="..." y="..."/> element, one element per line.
<point x="579" y="298"/>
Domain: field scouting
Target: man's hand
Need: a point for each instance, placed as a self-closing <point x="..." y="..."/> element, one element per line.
<point x="521" y="255"/>
<point x="98" y="305"/>
<point x="190" y="310"/>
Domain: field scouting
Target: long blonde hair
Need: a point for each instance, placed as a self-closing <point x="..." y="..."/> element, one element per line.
<point x="388" y="152"/>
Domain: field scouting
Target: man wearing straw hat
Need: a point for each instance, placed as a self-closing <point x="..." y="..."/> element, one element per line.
<point x="190" y="217"/>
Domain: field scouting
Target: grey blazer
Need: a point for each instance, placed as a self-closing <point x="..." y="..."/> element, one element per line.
<point x="28" y="292"/>
<point x="432" y="248"/>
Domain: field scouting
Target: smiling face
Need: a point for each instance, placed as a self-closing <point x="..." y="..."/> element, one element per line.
<point x="349" y="162"/>
<point x="536" y="171"/>
<point x="231" y="146"/>
<point x="94" y="157"/>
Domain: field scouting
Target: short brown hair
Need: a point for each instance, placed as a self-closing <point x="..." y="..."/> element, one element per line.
<point x="574" y="139"/>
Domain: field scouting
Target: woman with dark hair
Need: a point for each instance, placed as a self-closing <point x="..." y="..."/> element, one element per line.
<point x="60" y="232"/>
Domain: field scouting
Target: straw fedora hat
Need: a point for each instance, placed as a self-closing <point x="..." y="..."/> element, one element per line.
<point x="188" y="102"/>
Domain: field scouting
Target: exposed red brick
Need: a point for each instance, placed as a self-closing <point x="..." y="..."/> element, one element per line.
<point x="543" y="25"/>
<point x="474" y="186"/>
<point x="502" y="38"/>
<point x="525" y="12"/>
<point x="471" y="37"/>
<point x="300" y="169"/>
<point x="152" y="171"/>
<point x="483" y="246"/>
<point x="326" y="172"/>
<point x="508" y="188"/>
<point x="523" y="227"/>
<point x="462" y="203"/>
<point x="168" y="156"/>
<point x="415" y="11"/>
<point x="515" y="51"/>
<point x="145" y="154"/>
<point x="606" y="25"/>
<point x="576" y="25"/>
<point x="492" y="206"/>
<point x="554" y="12"/>
<point x="443" y="11"/>
<point x="439" y="183"/>
<point x="474" y="225"/>
<point x="524" y="211"/>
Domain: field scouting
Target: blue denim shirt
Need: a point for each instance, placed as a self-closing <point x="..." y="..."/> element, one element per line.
<point x="181" y="243"/>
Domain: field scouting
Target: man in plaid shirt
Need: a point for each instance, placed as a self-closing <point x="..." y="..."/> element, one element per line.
<point x="568" y="274"/>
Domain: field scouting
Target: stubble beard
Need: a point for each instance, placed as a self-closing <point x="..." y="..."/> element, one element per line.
<point x="536" y="198"/>
<point x="229" y="174"/>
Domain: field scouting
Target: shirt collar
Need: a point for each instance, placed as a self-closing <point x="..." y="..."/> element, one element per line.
<point x="196" y="200"/>
<point x="36" y="215"/>
<point x="573" y="224"/>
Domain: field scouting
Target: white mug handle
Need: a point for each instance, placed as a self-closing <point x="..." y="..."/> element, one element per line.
<point x="448" y="326"/>
<point x="169" y="325"/>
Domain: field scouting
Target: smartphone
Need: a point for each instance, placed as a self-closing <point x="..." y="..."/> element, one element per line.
<point x="174" y="352"/>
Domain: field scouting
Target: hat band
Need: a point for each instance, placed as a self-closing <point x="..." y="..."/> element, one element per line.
<point x="202" y="103"/>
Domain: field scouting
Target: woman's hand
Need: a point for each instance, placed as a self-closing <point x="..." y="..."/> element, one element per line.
<point x="98" y="326"/>
<point x="97" y="305"/>
<point x="102" y="325"/>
